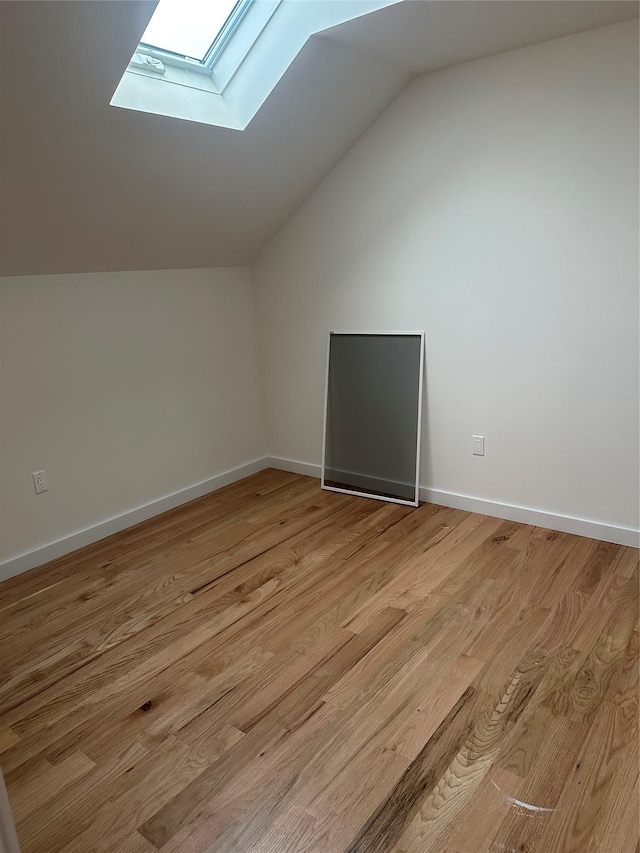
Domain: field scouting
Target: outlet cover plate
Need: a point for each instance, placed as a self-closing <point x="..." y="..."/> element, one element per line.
<point x="478" y="445"/>
<point x="40" y="481"/>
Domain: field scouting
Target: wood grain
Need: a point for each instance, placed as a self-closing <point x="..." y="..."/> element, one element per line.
<point x="276" y="668"/>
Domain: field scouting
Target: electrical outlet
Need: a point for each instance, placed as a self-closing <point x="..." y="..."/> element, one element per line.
<point x="40" y="481"/>
<point x="478" y="445"/>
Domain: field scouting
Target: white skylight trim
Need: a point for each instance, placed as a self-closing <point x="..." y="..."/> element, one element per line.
<point x="224" y="74"/>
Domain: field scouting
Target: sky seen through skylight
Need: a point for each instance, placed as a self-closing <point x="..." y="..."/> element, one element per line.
<point x="187" y="27"/>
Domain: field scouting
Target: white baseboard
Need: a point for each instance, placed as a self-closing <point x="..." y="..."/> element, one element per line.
<point x="293" y="466"/>
<point x="526" y="515"/>
<point x="52" y="551"/>
<point x="540" y="518"/>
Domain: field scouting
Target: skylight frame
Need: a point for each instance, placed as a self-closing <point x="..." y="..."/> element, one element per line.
<point x="226" y="33"/>
<point x="222" y="38"/>
<point x="245" y="66"/>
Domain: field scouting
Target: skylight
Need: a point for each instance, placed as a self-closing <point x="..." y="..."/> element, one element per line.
<point x="217" y="61"/>
<point x="187" y="27"/>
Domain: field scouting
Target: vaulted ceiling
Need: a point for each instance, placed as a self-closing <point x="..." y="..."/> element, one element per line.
<point x="89" y="187"/>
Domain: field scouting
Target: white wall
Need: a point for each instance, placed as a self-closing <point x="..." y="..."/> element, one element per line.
<point x="495" y="205"/>
<point x="125" y="387"/>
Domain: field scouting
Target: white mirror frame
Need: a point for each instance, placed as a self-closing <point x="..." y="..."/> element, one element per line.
<point x="416" y="500"/>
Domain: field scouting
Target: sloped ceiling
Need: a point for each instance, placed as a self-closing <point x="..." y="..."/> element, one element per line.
<point x="89" y="187"/>
<point x="426" y="36"/>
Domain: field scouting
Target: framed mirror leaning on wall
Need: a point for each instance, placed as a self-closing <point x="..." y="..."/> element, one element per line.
<point x="372" y="415"/>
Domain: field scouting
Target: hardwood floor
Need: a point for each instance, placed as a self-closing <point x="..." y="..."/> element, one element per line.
<point x="278" y="669"/>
